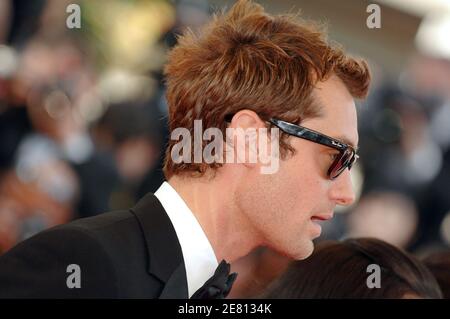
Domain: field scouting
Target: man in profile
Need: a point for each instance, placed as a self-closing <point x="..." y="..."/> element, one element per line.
<point x="245" y="70"/>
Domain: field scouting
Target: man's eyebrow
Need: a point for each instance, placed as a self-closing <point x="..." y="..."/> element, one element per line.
<point x="347" y="141"/>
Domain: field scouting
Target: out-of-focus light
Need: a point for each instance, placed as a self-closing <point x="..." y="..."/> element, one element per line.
<point x="119" y="85"/>
<point x="39" y="163"/>
<point x="419" y="7"/>
<point x="8" y="61"/>
<point x="57" y="104"/>
<point x="90" y="107"/>
<point x="432" y="37"/>
<point x="445" y="228"/>
<point x="388" y="216"/>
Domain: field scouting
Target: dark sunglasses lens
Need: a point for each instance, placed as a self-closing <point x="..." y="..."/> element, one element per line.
<point x="341" y="163"/>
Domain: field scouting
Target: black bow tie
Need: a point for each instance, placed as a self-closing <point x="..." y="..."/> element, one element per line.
<point x="219" y="285"/>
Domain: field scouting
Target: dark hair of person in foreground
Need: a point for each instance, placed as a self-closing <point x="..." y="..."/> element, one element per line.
<point x="439" y="264"/>
<point x="340" y="270"/>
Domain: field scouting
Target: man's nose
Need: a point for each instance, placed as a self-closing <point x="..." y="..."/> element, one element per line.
<point x="342" y="189"/>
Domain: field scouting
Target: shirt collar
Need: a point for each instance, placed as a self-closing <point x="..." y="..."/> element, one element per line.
<point x="198" y="254"/>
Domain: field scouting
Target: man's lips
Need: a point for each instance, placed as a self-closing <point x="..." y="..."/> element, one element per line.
<point x="322" y="217"/>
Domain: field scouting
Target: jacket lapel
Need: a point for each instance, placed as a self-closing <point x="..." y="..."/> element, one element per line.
<point x="165" y="258"/>
<point x="176" y="286"/>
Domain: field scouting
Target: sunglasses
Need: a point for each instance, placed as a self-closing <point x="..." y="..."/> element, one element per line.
<point x="347" y="154"/>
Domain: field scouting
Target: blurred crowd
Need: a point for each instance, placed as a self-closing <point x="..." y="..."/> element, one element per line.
<point x="80" y="133"/>
<point x="83" y="128"/>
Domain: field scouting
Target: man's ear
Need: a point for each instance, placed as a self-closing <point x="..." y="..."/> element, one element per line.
<point x="247" y="119"/>
<point x="245" y="126"/>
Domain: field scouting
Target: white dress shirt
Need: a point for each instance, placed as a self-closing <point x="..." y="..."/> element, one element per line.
<point x="199" y="258"/>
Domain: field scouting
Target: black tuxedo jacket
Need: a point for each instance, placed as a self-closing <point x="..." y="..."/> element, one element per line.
<point x="124" y="254"/>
